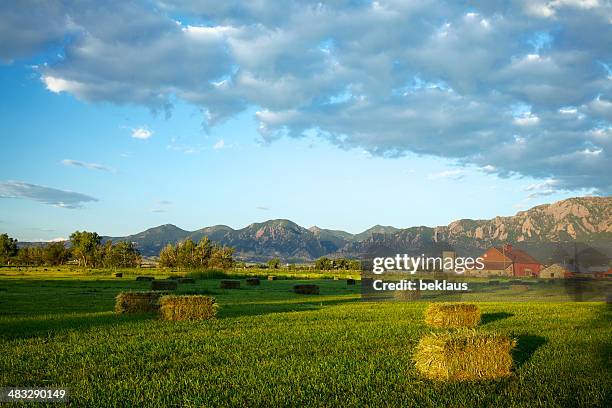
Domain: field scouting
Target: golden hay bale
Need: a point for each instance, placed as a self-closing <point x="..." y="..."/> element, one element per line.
<point x="406" y="295"/>
<point x="229" y="284"/>
<point x="452" y="315"/>
<point x="464" y="355"/>
<point x="306" y="289"/>
<point x="164" y="285"/>
<point x="252" y="281"/>
<point x="119" y="275"/>
<point x="137" y="302"/>
<point x="350" y="281"/>
<point x="145" y="278"/>
<point x="519" y="288"/>
<point x="272" y="277"/>
<point x="190" y="307"/>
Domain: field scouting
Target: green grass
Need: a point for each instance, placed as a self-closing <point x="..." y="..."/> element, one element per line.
<point x="271" y="347"/>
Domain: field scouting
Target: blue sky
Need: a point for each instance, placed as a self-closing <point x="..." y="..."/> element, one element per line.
<point x="199" y="114"/>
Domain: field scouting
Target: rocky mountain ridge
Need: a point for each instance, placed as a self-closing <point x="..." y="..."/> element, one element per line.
<point x="584" y="219"/>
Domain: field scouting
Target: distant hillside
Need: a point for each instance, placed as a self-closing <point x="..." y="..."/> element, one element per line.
<point x="586" y="219"/>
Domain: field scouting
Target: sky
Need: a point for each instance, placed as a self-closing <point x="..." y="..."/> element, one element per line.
<point x="119" y="116"/>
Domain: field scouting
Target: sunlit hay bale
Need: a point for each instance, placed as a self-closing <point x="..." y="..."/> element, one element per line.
<point x="119" y="275"/>
<point x="186" y="280"/>
<point x="406" y="295"/>
<point x="145" y="278"/>
<point x="191" y="307"/>
<point x="252" y="281"/>
<point x="350" y="281"/>
<point x="464" y="355"/>
<point x="452" y="315"/>
<point x="164" y="285"/>
<point x="137" y="302"/>
<point x="306" y="289"/>
<point x="272" y="278"/>
<point x="519" y="288"/>
<point x="230" y="284"/>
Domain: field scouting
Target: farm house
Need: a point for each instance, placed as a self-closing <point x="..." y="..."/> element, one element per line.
<point x="508" y="261"/>
<point x="555" y="271"/>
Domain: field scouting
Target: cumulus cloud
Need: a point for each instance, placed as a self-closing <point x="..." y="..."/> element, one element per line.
<point x="456" y="174"/>
<point x="45" y="195"/>
<point x="432" y="77"/>
<point x="92" y="166"/>
<point x="141" y="133"/>
<point x="220" y="144"/>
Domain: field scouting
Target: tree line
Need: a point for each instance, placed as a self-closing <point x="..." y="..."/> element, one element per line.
<point x="328" y="264"/>
<point x="189" y="255"/>
<point x="85" y="248"/>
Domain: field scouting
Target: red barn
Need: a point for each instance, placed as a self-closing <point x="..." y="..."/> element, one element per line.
<point x="515" y="261"/>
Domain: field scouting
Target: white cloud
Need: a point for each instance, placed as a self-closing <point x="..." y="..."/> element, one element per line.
<point x="92" y="166"/>
<point x="542" y="189"/>
<point x="306" y="68"/>
<point x="456" y="174"/>
<point x="220" y="144"/>
<point x="45" y="195"/>
<point x="528" y="119"/>
<point x="141" y="133"/>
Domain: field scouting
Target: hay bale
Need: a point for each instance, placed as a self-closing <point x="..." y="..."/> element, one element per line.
<point x="186" y="280"/>
<point x="350" y="282"/>
<point x="306" y="289"/>
<point x="191" y="307"/>
<point x="137" y="302"/>
<point x="229" y="284"/>
<point x="119" y="275"/>
<point x="519" y="288"/>
<point x="252" y="281"/>
<point x="406" y="295"/>
<point x="452" y="315"/>
<point x="464" y="355"/>
<point x="272" y="277"/>
<point x="164" y="285"/>
<point x="145" y="278"/>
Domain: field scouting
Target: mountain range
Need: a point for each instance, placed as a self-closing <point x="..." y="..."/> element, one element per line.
<point x="583" y="219"/>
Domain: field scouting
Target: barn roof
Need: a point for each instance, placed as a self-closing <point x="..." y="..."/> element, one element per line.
<point x="517" y="255"/>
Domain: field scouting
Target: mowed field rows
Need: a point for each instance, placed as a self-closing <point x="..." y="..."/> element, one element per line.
<point x="271" y="347"/>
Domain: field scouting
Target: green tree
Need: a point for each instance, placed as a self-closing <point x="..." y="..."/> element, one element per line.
<point x="121" y="255"/>
<point x="323" y="263"/>
<point x="8" y="248"/>
<point x="222" y="257"/>
<point x="55" y="253"/>
<point x="203" y="253"/>
<point x="186" y="254"/>
<point x="168" y="257"/>
<point x="85" y="247"/>
<point x="33" y="256"/>
<point x="274" y="263"/>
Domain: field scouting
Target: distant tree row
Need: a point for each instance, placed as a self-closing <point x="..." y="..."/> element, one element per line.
<point x="327" y="264"/>
<point x="189" y="255"/>
<point x="86" y="248"/>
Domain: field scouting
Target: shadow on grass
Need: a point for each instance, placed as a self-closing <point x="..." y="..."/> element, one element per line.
<point x="526" y="345"/>
<point x="57" y="325"/>
<point x="256" y="309"/>
<point x="491" y="317"/>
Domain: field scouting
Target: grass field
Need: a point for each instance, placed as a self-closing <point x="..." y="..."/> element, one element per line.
<point x="271" y="347"/>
